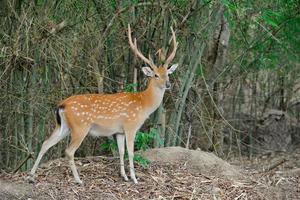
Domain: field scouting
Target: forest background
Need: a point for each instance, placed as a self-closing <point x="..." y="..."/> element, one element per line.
<point x="236" y="91"/>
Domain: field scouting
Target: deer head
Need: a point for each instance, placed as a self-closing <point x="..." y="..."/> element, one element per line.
<point x="159" y="75"/>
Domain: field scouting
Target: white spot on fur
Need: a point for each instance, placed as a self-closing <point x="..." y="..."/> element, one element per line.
<point x="124" y="114"/>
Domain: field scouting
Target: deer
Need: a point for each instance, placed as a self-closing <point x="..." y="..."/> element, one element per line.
<point x="121" y="114"/>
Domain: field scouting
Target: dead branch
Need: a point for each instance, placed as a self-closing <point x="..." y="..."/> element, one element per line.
<point x="276" y="164"/>
<point x="30" y="155"/>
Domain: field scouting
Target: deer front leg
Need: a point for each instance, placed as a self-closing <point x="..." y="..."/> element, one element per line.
<point x="121" y="147"/>
<point x="130" y="149"/>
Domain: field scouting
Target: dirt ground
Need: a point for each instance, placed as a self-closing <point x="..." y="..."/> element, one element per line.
<point x="174" y="173"/>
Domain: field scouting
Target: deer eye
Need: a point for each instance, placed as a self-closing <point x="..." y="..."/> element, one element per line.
<point x="156" y="76"/>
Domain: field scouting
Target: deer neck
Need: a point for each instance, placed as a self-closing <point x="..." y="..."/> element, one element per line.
<point x="152" y="97"/>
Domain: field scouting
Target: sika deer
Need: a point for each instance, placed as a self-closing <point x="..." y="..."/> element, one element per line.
<point x="107" y="114"/>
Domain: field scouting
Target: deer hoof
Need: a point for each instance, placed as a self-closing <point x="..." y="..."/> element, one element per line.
<point x="30" y="178"/>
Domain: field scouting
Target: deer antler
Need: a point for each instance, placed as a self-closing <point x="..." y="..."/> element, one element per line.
<point x="175" y="45"/>
<point x="137" y="52"/>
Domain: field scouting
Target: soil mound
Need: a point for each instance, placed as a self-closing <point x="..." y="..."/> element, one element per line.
<point x="196" y="160"/>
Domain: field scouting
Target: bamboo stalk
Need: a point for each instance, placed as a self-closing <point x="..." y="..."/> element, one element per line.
<point x="188" y="85"/>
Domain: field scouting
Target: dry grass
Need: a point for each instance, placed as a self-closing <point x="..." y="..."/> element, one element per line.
<point x="158" y="181"/>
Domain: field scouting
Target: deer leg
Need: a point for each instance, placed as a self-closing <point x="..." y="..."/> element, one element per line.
<point x="130" y="149"/>
<point x="121" y="147"/>
<point x="58" y="134"/>
<point x="77" y="138"/>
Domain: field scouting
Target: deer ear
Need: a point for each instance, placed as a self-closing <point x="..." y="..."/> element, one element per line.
<point x="172" y="68"/>
<point x="148" y="71"/>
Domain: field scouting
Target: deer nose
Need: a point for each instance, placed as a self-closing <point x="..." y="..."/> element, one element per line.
<point x="168" y="85"/>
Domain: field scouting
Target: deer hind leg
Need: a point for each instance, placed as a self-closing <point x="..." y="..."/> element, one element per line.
<point x="130" y="135"/>
<point x="77" y="138"/>
<point x="121" y="147"/>
<point x="58" y="134"/>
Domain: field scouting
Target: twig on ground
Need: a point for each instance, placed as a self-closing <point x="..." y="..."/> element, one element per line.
<point x="30" y="155"/>
<point x="276" y="164"/>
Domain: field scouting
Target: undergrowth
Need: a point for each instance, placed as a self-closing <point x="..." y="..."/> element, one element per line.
<point x="143" y="141"/>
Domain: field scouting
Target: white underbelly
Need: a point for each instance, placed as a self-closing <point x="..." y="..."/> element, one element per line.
<point x="98" y="131"/>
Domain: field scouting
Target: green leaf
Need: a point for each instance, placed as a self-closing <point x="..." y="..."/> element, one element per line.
<point x="135" y="2"/>
<point x="130" y="87"/>
<point x="145" y="140"/>
<point x="230" y="5"/>
<point x="109" y="145"/>
<point x="141" y="160"/>
<point x="113" y="4"/>
<point x="199" y="71"/>
<point x="271" y="17"/>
